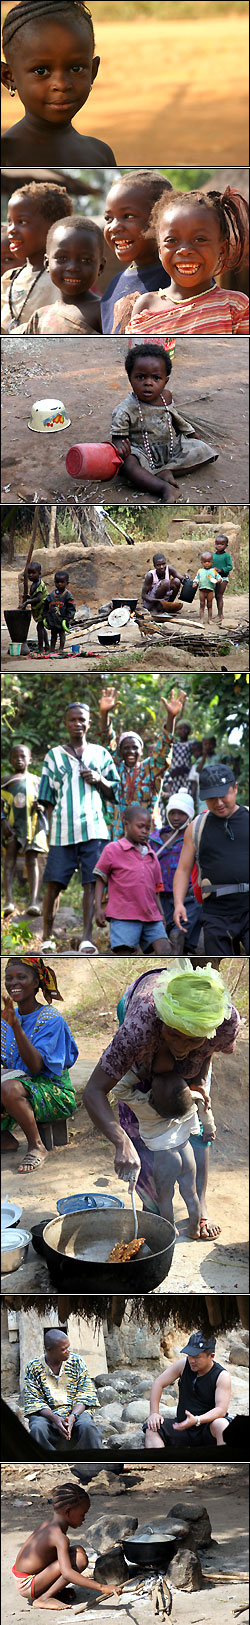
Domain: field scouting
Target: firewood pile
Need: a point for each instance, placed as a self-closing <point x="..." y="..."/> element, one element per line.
<point x="193" y="635"/>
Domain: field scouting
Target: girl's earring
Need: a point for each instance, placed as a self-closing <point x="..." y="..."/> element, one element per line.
<point x="12" y="92"/>
<point x="45" y="261"/>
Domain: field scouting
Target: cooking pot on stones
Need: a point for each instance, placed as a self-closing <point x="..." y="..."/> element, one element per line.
<point x="77" y="1249"/>
<point x="151" y="1550"/>
<point x="129" y="602"/>
<point x="18" y="621"/>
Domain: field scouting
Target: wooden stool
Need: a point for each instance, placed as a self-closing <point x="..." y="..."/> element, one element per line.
<point x="55" y="1133"/>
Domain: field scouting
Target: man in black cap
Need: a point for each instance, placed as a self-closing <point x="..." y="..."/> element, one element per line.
<point x="204" y="1394"/>
<point x="218" y="841"/>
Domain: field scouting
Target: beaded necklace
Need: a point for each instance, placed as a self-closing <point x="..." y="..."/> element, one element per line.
<point x="145" y="435"/>
<point x="16" y="318"/>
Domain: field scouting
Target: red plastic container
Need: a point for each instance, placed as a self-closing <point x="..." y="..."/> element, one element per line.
<point x="93" y="462"/>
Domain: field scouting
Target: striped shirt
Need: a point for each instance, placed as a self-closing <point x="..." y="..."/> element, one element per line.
<point x="76" y="1381"/>
<point x="217" y="311"/>
<point x="77" y="807"/>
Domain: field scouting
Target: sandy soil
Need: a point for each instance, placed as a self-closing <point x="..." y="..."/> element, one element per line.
<point x="197" y="1266"/>
<point x="134" y="650"/>
<point x="224" y="1492"/>
<point x="210" y="385"/>
<point x="192" y="86"/>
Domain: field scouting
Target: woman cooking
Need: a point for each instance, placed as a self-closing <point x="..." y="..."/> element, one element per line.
<point x="37" y="1045"/>
<point x="171" y="1023"/>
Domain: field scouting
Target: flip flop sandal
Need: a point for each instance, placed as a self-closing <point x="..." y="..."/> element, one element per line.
<point x="31" y="1162"/>
<point x="206" y="1224"/>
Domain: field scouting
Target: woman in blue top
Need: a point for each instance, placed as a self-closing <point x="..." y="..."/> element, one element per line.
<point x="37" y="1045"/>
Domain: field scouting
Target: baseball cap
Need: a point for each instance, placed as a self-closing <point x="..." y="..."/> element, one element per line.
<point x="215" y="781"/>
<point x="198" y="1344"/>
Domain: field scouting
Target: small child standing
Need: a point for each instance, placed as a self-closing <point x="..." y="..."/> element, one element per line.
<point x="60" y="609"/>
<point x="37" y="600"/>
<point x="207" y="579"/>
<point x="148" y="430"/>
<point x="75" y="253"/>
<point x="25" y="828"/>
<point x="222" y="561"/>
<point x="198" y="237"/>
<point x="32" y="210"/>
<point x="46" y="1564"/>
<point x="50" y="61"/>
<point x="134" y="880"/>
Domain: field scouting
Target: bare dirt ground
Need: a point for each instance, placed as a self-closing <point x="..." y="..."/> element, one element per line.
<point x="224" y="1492"/>
<point x="210" y="386"/>
<point x="87" y="1163"/>
<point x="190" y="95"/>
<point x="135" y="651"/>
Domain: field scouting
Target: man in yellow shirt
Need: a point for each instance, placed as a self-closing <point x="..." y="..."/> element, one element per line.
<point x="60" y="1398"/>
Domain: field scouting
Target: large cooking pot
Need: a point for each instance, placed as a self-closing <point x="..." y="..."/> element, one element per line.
<point x="151" y="1550"/>
<point x="18" y="621"/>
<point x="93" y="1235"/>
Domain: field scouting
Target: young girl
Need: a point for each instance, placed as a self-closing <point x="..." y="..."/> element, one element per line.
<point x="197" y="237"/>
<point x="75" y="250"/>
<point x="50" y="61"/>
<point x="127" y="231"/>
<point x="31" y="211"/>
<point x="149" y="432"/>
<point x="207" y="579"/>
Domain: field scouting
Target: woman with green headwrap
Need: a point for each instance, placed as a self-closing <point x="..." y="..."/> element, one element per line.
<point x="172" y="1021"/>
<point x="37" y="1050"/>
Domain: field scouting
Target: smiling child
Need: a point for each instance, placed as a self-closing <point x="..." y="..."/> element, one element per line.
<point x="51" y="62"/>
<point x="128" y="233"/>
<point x="32" y="210"/>
<point x="75" y="249"/>
<point x="198" y="237"/>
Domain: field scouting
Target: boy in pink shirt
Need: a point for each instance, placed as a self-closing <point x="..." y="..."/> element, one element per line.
<point x="134" y="879"/>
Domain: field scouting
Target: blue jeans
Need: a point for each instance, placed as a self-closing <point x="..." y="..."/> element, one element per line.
<point x="194" y="915"/>
<point x="135" y="933"/>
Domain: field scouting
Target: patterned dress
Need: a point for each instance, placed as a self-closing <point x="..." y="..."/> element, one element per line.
<point x="51" y="1094"/>
<point x="134" y="1052"/>
<point x="214" y="312"/>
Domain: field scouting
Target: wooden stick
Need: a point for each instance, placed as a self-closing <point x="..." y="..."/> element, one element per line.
<point x="29" y="554"/>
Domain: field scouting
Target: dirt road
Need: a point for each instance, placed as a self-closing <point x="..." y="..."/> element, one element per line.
<point x="223" y="1492"/>
<point x="209" y="384"/>
<point x="187" y="104"/>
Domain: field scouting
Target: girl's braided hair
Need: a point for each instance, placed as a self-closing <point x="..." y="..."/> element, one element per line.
<point x="68" y="1495"/>
<point x="30" y="11"/>
<point x="232" y="214"/>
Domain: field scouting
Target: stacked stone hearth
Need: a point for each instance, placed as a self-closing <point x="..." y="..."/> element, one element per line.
<point x="189" y="1527"/>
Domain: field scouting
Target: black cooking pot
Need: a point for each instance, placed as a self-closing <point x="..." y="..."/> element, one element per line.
<point x="96" y="1233"/>
<point x="110" y="638"/>
<point x="130" y="603"/>
<point x="150" y="1551"/>
<point x="188" y="591"/>
<point x="18" y="621"/>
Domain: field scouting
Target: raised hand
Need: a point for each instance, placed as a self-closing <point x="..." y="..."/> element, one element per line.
<point x="109" y="698"/>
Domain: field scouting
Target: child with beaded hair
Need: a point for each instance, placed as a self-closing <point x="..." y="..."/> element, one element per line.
<point x="149" y="432"/>
<point x="46" y="1564"/>
<point x="198" y="236"/>
<point x="51" y="63"/>
<point x="32" y="210"/>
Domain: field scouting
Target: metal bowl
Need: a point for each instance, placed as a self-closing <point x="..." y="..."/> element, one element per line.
<point x="14" y="1248"/>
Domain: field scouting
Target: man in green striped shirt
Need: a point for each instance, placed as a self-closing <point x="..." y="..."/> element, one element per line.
<point x="60" y="1399"/>
<point x="77" y="778"/>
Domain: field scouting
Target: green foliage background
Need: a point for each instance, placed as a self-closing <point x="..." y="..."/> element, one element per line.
<point x="33" y="710"/>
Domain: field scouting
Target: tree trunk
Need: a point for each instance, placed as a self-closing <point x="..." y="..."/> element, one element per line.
<point x="53" y="526"/>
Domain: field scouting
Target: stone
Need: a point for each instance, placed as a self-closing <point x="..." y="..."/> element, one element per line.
<point x="105" y="1531"/>
<point x="127" y="1441"/>
<point x="185" y="1571"/>
<point x="138" y="1410"/>
<point x="101" y="1379"/>
<point x="112" y="1413"/>
<point x="111" y="1567"/>
<point x="197" y="1518"/>
<point x="107" y="1396"/>
<point x="238" y="1354"/>
<point x="10" y="1367"/>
